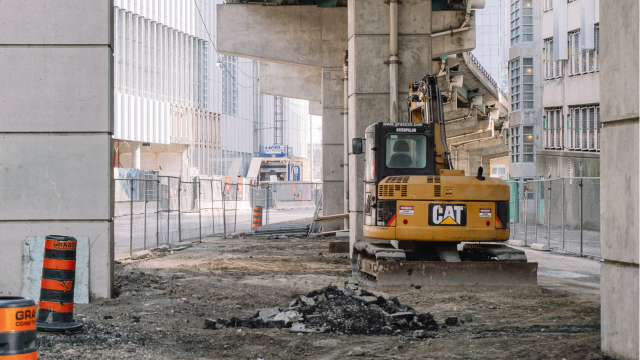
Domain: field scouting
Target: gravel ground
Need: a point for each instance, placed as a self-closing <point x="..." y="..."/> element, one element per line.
<point x="164" y="301"/>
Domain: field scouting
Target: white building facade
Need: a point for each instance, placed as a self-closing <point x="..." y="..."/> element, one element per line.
<point x="181" y="108"/>
<point x="554" y="123"/>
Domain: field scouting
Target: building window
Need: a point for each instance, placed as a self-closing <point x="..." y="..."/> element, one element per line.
<point x="552" y="68"/>
<point x="229" y="85"/>
<point x="515" y="145"/>
<point x="548" y="5"/>
<point x="521" y="21"/>
<point x="583" y="132"/>
<point x="514" y="75"/>
<point x="553" y="129"/>
<point x="585" y="61"/>
<point x="521" y="144"/>
<point x="521" y="77"/>
<point x="527" y="144"/>
<point x="515" y="22"/>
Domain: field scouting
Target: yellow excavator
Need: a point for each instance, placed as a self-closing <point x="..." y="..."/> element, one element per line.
<point x="418" y="210"/>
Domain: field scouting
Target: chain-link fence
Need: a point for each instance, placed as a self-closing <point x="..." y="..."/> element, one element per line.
<point x="153" y="212"/>
<point x="563" y="213"/>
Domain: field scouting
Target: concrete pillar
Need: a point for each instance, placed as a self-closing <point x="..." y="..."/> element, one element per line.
<point x="369" y="95"/>
<point x="332" y="145"/>
<point x="135" y="155"/>
<point x="619" y="216"/>
<point x="56" y="132"/>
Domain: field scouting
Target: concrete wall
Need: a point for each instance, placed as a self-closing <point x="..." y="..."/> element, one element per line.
<point x="567" y="164"/>
<point x="619" y="177"/>
<point x="55" y="133"/>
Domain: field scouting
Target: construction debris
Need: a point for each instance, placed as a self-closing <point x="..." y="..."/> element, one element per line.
<point x="349" y="311"/>
<point x="285" y="229"/>
<point x="331" y="217"/>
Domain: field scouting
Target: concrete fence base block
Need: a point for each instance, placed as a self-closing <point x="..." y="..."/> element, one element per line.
<point x="141" y="255"/>
<point x="540" y="247"/>
<point x="183" y="244"/>
<point x="516" y="243"/>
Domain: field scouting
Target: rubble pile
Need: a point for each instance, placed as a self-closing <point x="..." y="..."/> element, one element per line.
<point x="349" y="311"/>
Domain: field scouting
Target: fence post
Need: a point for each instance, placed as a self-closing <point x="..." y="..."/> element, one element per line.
<point x="235" y="211"/>
<point x="213" y="221"/>
<point x="268" y="192"/>
<point x="200" y="209"/>
<point x="224" y="209"/>
<point x="526" y="201"/>
<point x="549" y="216"/>
<point x="563" y="248"/>
<point x="158" y="212"/>
<point x="168" y="209"/>
<point x="145" y="214"/>
<point x="580" y="216"/>
<point x="536" y="196"/>
<point x="179" y="210"/>
<point x="131" y="220"/>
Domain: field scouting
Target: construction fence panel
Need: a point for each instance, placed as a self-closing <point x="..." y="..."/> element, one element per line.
<point x="153" y="212"/>
<point x="211" y="207"/>
<point x="563" y="213"/>
<point x="136" y="209"/>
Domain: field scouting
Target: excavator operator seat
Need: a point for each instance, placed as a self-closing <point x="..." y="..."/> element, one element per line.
<point x="401" y="157"/>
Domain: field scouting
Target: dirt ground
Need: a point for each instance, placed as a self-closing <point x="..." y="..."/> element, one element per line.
<point x="160" y="317"/>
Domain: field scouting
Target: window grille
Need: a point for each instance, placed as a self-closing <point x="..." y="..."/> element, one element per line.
<point x="515" y="145"/>
<point x="527" y="144"/>
<point x="515" y="22"/>
<point x="514" y="74"/>
<point x="554" y="129"/>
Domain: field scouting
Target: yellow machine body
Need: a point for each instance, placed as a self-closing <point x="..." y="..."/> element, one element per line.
<point x="414" y="195"/>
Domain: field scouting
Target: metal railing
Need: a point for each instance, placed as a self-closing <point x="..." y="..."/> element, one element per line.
<point x="153" y="212"/>
<point x="476" y="62"/>
<point x="563" y="213"/>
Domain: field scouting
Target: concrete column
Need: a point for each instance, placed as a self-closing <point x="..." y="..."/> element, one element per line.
<point x="332" y="145"/>
<point x="369" y="95"/>
<point x="135" y="155"/>
<point x="56" y="132"/>
<point x="619" y="214"/>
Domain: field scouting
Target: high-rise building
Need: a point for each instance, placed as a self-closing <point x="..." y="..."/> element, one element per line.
<point x="554" y="124"/>
<point x="489" y="49"/>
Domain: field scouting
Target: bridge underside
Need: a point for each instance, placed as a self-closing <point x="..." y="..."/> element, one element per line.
<point x="301" y="51"/>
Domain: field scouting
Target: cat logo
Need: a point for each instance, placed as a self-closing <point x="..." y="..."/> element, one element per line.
<point x="447" y="215"/>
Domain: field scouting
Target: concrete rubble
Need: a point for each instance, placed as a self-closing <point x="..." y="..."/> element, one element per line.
<point x="348" y="311"/>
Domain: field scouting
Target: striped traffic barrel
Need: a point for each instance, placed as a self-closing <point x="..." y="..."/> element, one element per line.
<point x="18" y="339"/>
<point x="257" y="216"/>
<point x="55" y="309"/>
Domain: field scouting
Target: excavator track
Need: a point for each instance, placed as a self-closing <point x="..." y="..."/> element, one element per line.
<point x="381" y="266"/>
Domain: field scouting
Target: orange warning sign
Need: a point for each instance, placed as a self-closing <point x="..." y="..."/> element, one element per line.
<point x="60" y="245"/>
<point x="18" y="319"/>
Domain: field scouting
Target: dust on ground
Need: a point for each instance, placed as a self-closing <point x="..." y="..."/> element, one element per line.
<point x="164" y="301"/>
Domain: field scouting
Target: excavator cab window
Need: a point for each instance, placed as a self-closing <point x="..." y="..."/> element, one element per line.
<point x="406" y="151"/>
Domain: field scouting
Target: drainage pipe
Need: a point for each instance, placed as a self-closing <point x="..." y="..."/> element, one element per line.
<point x="345" y="116"/>
<point x="393" y="59"/>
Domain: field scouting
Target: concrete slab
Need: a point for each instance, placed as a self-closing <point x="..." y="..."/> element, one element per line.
<point x="71" y="99"/>
<point x="516" y="243"/>
<point x="540" y="247"/>
<point x="100" y="250"/>
<point x="32" y="255"/>
<point x="36" y="185"/>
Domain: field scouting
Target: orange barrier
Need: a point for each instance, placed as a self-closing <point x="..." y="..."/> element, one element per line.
<point x="257" y="216"/>
<point x="55" y="309"/>
<point x="18" y="328"/>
